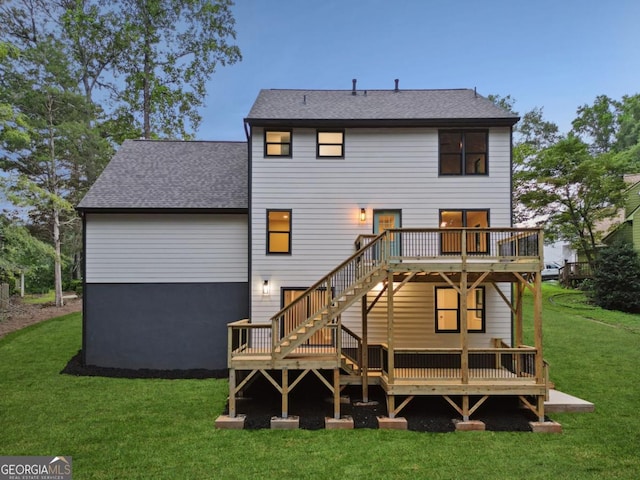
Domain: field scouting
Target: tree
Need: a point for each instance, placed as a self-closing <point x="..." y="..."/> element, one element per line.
<point x="23" y="253"/>
<point x="40" y="85"/>
<point x="628" y="135"/>
<point x="172" y="48"/>
<point x="573" y="190"/>
<point x="616" y="279"/>
<point x="598" y="123"/>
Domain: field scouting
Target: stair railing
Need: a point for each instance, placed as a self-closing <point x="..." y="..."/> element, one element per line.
<point x="320" y="296"/>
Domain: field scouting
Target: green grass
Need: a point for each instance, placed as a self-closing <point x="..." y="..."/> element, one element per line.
<point x="35" y="298"/>
<point x="140" y="429"/>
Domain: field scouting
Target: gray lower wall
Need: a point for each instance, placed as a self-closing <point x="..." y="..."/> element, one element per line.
<point x="161" y="326"/>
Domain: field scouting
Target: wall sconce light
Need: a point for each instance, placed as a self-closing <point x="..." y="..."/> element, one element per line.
<point x="363" y="215"/>
<point x="265" y="287"/>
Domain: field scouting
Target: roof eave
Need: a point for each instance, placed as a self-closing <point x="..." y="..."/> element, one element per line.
<point x="161" y="210"/>
<point x="382" y="123"/>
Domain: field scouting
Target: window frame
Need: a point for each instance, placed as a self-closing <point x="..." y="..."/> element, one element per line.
<point x="464" y="212"/>
<point x="318" y="144"/>
<point x="266" y="143"/>
<point x="269" y="231"/>
<point x="482" y="309"/>
<point x="463" y="153"/>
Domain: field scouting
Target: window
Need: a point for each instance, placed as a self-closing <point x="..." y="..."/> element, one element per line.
<point x="477" y="242"/>
<point x="448" y="310"/>
<point x="463" y="152"/>
<point x="277" y="143"/>
<point x="330" y="144"/>
<point x="279" y="232"/>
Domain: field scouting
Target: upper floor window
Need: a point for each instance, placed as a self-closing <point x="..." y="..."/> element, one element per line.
<point x="279" y="231"/>
<point x="330" y="144"/>
<point x="463" y="152"/>
<point x="277" y="143"/>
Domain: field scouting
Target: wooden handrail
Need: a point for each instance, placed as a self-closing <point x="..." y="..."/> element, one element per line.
<point x="332" y="273"/>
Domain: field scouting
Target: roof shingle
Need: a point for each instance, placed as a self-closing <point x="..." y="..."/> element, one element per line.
<point x="161" y="174"/>
<point x="435" y="105"/>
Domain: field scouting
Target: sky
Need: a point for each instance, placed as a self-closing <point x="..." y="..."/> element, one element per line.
<point x="554" y="54"/>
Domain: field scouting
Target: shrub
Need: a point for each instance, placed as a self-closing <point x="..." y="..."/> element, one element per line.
<point x="616" y="278"/>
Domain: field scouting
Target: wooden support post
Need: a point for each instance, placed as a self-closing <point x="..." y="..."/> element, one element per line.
<point x="541" y="408"/>
<point x="336" y="393"/>
<point x="232" y="392"/>
<point x="519" y="329"/>
<point x="537" y="328"/>
<point x="364" y="365"/>
<point x="390" y="334"/>
<point x="285" y="392"/>
<point x="465" y="408"/>
<point x="464" y="334"/>
<point x="391" y="406"/>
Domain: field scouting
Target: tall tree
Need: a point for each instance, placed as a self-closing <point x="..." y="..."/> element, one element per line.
<point x="41" y="86"/>
<point x="597" y="124"/>
<point x="173" y="47"/>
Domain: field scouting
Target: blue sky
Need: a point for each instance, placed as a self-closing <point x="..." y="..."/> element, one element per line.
<point x="552" y="54"/>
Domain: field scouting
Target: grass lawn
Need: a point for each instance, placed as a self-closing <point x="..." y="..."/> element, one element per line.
<point x="141" y="429"/>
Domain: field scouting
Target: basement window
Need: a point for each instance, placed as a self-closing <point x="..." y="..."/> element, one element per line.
<point x="448" y="310"/>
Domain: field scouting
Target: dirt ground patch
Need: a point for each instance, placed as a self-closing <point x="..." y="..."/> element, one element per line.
<point x="21" y="315"/>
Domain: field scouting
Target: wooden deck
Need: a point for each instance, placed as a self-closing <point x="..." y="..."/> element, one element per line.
<point x="462" y="258"/>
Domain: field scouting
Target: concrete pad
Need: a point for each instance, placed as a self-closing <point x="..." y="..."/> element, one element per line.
<point x="289" y="423"/>
<point x="343" y="423"/>
<point x="468" y="425"/>
<point x="560" y="402"/>
<point x="398" y="423"/>
<point x="545" y="427"/>
<point x="225" y="422"/>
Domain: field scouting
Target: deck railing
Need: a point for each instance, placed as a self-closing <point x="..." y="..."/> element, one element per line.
<point x="351" y="347"/>
<point x="409" y="244"/>
<point x="246" y="338"/>
<point x="445" y="363"/>
<point x="572" y="273"/>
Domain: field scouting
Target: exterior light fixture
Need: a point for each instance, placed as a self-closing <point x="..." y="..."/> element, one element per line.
<point x="265" y="287"/>
<point x="363" y="215"/>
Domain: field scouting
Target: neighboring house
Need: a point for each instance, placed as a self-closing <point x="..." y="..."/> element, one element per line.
<point x="379" y="251"/>
<point x="166" y="254"/>
<point x="628" y="228"/>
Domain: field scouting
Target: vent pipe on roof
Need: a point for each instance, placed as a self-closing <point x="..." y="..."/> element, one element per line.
<point x="397" y="81"/>
<point x="353" y="89"/>
<point x="304" y="99"/>
<point x="475" y="92"/>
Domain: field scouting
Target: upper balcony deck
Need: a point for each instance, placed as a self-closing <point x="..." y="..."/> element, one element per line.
<point x="494" y="250"/>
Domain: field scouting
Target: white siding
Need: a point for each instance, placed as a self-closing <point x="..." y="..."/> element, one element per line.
<point x="414" y="314"/>
<point x="166" y="248"/>
<point x="382" y="169"/>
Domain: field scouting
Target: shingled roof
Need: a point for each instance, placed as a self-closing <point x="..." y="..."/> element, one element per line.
<point x="376" y="107"/>
<point x="162" y="174"/>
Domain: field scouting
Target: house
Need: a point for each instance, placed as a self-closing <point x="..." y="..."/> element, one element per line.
<point x="373" y="241"/>
<point x="628" y="227"/>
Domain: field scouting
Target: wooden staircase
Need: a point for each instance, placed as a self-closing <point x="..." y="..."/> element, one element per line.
<point x="341" y="288"/>
<point x="327" y="314"/>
